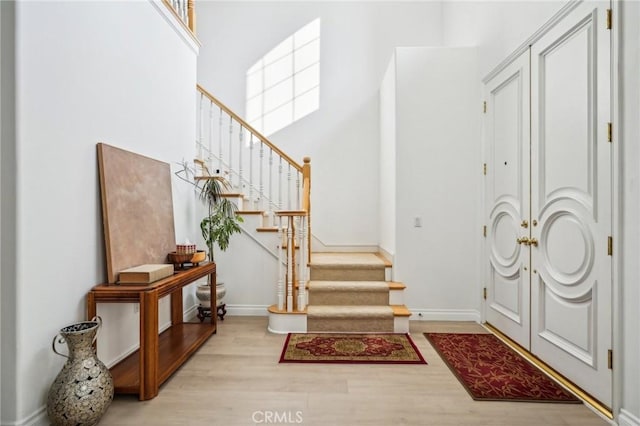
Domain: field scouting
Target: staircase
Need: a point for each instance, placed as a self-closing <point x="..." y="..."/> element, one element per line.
<point x="346" y="292"/>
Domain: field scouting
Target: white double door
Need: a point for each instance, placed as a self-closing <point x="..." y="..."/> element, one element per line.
<point x="548" y="200"/>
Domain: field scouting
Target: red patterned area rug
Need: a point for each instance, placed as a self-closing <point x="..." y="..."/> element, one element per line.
<point x="351" y="348"/>
<point x="492" y="371"/>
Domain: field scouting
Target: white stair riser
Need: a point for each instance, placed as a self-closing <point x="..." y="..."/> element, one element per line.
<point x="401" y="324"/>
<point x="287" y="323"/>
<point x="350" y="325"/>
<point x="348" y="298"/>
<point x="396" y="297"/>
<point x="339" y="274"/>
<point x="294" y="323"/>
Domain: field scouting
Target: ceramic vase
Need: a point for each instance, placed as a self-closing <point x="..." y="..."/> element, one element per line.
<point x="203" y="294"/>
<point x="83" y="390"/>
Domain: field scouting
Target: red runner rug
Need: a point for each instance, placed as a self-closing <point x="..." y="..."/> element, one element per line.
<point x="492" y="371"/>
<point x="351" y="348"/>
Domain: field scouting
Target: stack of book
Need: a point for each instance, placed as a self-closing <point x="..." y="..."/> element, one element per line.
<point x="145" y="274"/>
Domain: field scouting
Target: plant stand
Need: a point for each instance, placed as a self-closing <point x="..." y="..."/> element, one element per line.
<point x="205" y="312"/>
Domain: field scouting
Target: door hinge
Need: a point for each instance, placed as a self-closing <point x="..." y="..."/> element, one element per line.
<point x="609" y="19"/>
<point x="484" y="231"/>
<point x="484" y="169"/>
<point x="610" y="246"/>
<point x="484" y="293"/>
<point x="610" y="132"/>
<point x="484" y="107"/>
<point x="610" y="359"/>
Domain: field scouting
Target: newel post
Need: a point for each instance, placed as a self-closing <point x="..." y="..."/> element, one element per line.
<point x="306" y="200"/>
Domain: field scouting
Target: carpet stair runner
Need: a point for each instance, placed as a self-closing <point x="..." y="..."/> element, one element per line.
<point x="348" y="293"/>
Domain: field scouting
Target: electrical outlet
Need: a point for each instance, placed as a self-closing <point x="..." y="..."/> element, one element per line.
<point x="417" y="222"/>
<point x="136" y="308"/>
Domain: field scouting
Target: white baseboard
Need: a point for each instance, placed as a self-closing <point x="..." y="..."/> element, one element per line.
<point x="320" y="246"/>
<point x="445" y="315"/>
<point x="190" y="313"/>
<point x="37" y="418"/>
<point x="627" y="419"/>
<point x="387" y="255"/>
<point x="247" y="310"/>
<point x="417" y="314"/>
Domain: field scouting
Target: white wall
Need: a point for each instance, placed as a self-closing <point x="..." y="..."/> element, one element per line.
<point x="496" y="27"/>
<point x="7" y="211"/>
<point x="629" y="135"/>
<point x="342" y="137"/>
<point x="438" y="157"/>
<point x="387" y="205"/>
<point x="87" y="72"/>
<point x="251" y="287"/>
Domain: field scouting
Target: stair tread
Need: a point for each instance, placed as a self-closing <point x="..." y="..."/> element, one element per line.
<point x="393" y="285"/>
<point x="267" y="229"/>
<point x="274" y="310"/>
<point x="342" y="311"/>
<point x="396" y="285"/>
<point x="401" y="311"/>
<point x="377" y="286"/>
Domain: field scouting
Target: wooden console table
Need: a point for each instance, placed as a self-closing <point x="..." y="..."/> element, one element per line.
<point x="159" y="356"/>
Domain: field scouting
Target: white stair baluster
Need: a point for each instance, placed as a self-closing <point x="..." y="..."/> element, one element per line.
<point x="200" y="128"/>
<point x="270" y="198"/>
<point x="298" y="190"/>
<point x="289" y="187"/>
<point x="290" y="264"/>
<point x="280" y="206"/>
<point x="251" y="203"/>
<point x="230" y="163"/>
<point x="241" y="147"/>
<point x="220" y="142"/>
<point x="302" y="268"/>
<point x="280" y="287"/>
<point x="210" y="153"/>
<point x="262" y="176"/>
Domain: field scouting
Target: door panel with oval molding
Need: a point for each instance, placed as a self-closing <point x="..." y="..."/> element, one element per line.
<point x="507" y="200"/>
<point x="571" y="199"/>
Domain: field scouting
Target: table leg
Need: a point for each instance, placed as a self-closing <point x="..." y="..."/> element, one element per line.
<point x="176" y="307"/>
<point x="149" y="345"/>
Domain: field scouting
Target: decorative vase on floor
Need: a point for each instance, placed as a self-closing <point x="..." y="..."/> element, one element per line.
<point x="203" y="294"/>
<point x="83" y="390"/>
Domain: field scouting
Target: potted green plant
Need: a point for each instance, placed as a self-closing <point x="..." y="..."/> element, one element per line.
<point x="217" y="227"/>
<point x="222" y="221"/>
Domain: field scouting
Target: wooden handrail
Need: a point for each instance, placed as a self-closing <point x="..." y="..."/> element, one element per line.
<point x="247" y="126"/>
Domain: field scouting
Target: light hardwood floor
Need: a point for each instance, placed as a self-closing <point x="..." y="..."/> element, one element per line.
<point x="235" y="379"/>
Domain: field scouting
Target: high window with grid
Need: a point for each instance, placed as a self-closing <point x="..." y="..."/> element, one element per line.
<point x="284" y="85"/>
